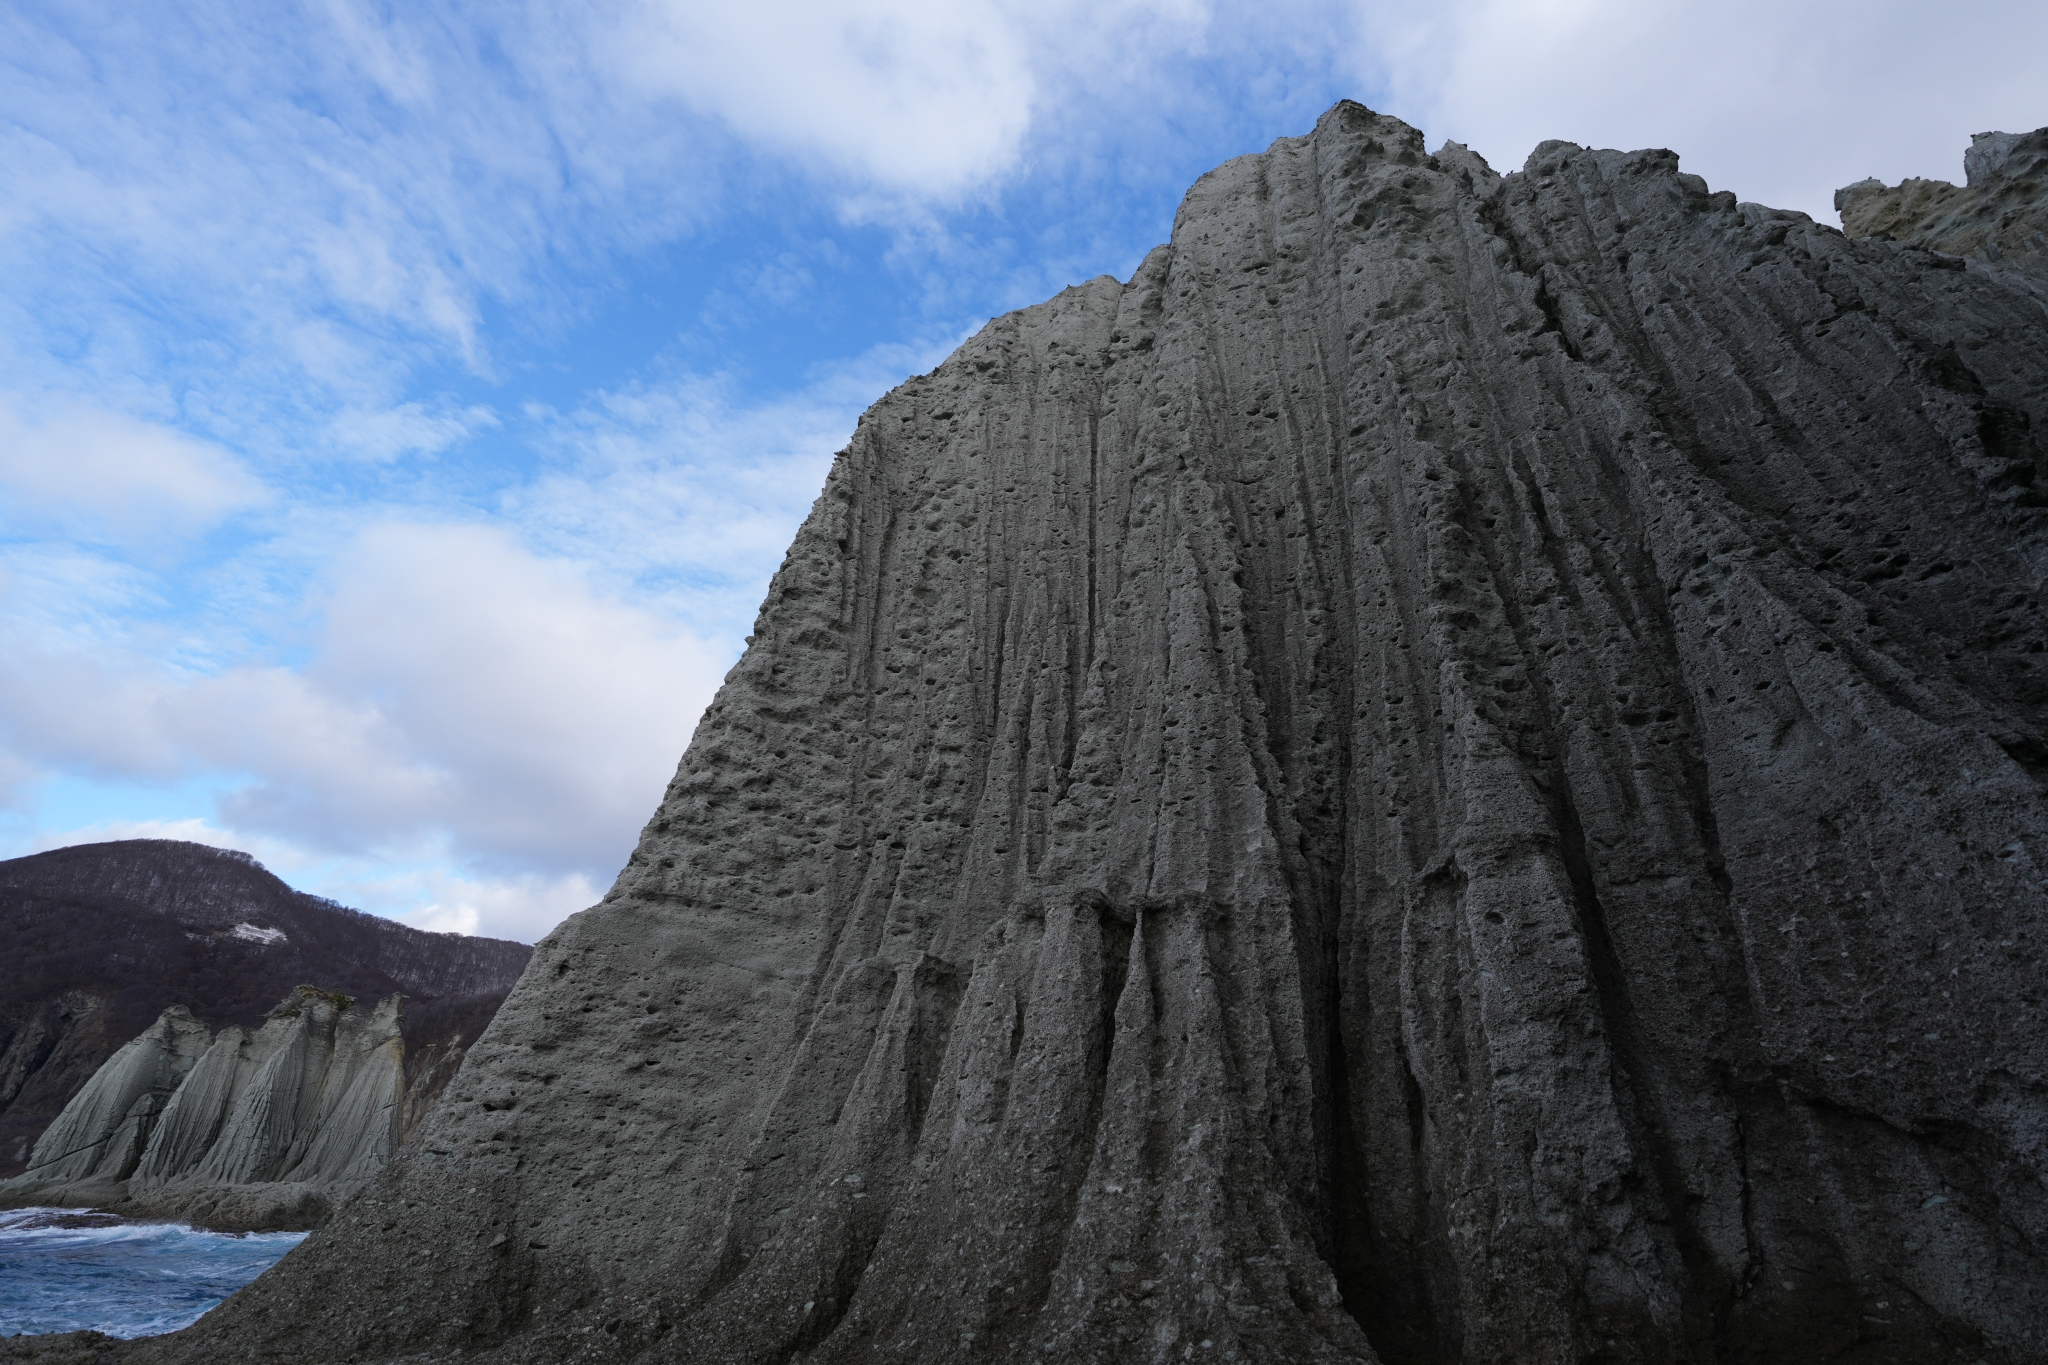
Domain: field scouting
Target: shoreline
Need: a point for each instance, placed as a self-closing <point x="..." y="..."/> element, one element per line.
<point x="225" y="1209"/>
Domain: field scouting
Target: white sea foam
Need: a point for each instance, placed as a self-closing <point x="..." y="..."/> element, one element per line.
<point x="63" y="1270"/>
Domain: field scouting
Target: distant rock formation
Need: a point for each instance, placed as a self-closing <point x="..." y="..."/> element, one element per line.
<point x="103" y="938"/>
<point x="104" y="1130"/>
<point x="1452" y="773"/>
<point x="2000" y="213"/>
<point x="249" y="1129"/>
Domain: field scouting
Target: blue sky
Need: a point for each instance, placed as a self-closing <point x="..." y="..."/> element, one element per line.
<point x="403" y="406"/>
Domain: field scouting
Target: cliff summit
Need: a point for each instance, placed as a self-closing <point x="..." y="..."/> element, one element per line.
<point x="1999" y="213"/>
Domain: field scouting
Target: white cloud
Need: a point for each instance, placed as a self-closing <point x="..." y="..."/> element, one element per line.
<point x="284" y="215"/>
<point x="337" y="191"/>
<point x="384" y="434"/>
<point x="460" y="689"/>
<point x="1780" y="101"/>
<point x="59" y="595"/>
<point x="909" y="97"/>
<point x="523" y="908"/>
<point x="686" y="494"/>
<point x="463" y="685"/>
<point x="18" y="783"/>
<point x="290" y="208"/>
<point x="88" y="710"/>
<point x="110" y="476"/>
<point x="503" y="702"/>
<point x="913" y="95"/>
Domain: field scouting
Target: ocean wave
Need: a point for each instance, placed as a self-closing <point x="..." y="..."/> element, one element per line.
<point x="64" y="1270"/>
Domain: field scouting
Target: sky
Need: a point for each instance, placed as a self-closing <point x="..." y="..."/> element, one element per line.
<point x="403" y="406"/>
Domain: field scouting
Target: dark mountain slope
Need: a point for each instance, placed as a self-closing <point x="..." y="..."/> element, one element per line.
<point x="102" y="937"/>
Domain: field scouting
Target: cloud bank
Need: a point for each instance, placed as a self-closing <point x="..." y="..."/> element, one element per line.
<point x="403" y="408"/>
<point x="456" y="684"/>
<point x="1783" y="103"/>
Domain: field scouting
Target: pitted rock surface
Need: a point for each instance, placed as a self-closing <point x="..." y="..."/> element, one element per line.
<point x="1451" y="773"/>
<point x="1999" y="214"/>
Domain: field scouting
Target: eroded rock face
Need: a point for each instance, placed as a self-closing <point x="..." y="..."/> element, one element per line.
<point x="2000" y="213"/>
<point x="102" y="938"/>
<point x="251" y="1128"/>
<point x="1451" y="773"/>
<point x="102" y="1133"/>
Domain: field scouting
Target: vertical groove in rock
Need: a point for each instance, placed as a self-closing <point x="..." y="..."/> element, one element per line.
<point x="1442" y="776"/>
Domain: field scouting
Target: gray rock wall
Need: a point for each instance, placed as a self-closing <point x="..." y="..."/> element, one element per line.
<point x="101" y="938"/>
<point x="1453" y="772"/>
<point x="265" y="1127"/>
<point x="102" y="1133"/>
<point x="1999" y="215"/>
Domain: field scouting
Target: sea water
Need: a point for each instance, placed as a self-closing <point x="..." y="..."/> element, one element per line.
<point x="62" y="1271"/>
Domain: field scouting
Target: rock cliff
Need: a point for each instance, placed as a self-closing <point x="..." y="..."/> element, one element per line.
<point x="1453" y="772"/>
<point x="1999" y="213"/>
<point x="102" y="1132"/>
<point x="258" y="1128"/>
<point x="102" y="938"/>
